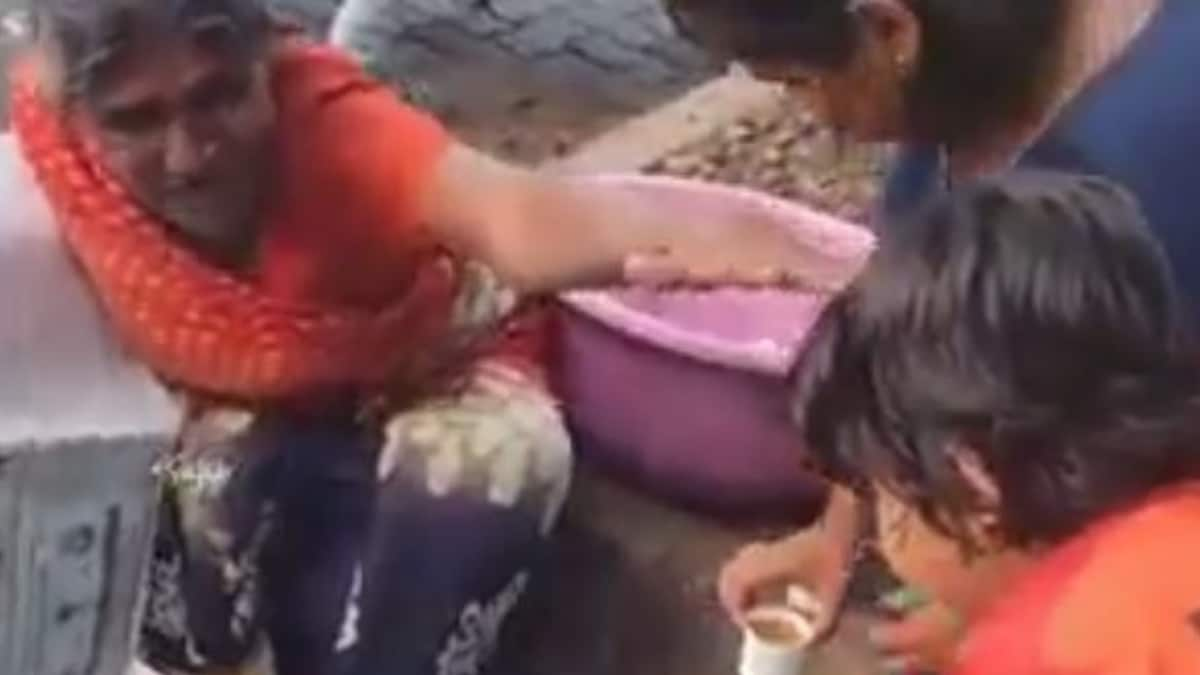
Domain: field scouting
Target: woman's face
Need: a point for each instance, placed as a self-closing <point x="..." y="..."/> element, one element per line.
<point x="864" y="97"/>
<point x="923" y="556"/>
<point x="186" y="131"/>
<point x="916" y="552"/>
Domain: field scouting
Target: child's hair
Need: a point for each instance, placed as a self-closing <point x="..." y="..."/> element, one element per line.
<point x="1030" y="320"/>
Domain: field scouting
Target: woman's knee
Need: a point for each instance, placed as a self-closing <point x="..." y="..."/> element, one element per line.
<point x="502" y="439"/>
<point x="203" y="607"/>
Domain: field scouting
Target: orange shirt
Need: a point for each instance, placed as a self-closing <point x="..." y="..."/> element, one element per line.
<point x="1121" y="599"/>
<point x="347" y="229"/>
<point x="353" y="164"/>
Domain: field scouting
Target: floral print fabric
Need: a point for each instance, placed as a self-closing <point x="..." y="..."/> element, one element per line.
<point x="434" y="528"/>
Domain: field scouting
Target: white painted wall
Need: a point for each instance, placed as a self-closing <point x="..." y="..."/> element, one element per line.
<point x="80" y="427"/>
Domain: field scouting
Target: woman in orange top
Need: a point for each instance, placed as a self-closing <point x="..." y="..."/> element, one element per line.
<point x="1027" y="393"/>
<point x="372" y="461"/>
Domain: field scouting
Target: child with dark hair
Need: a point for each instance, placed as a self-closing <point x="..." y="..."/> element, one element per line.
<point x="1011" y="374"/>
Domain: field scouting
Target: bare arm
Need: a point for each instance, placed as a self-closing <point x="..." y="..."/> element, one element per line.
<point x="836" y="533"/>
<point x="818" y="558"/>
<point x="543" y="233"/>
<point x="842" y="522"/>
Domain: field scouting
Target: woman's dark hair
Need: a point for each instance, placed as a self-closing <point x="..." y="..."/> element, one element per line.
<point x="1029" y="321"/>
<point x="89" y="36"/>
<point x="981" y="60"/>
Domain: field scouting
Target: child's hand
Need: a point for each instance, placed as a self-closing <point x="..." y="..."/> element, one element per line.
<point x="806" y="559"/>
<point x="922" y="639"/>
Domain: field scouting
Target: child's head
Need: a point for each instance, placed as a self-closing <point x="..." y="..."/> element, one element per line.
<point x="1012" y="355"/>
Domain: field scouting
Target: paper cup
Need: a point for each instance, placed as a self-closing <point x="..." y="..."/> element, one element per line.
<point x="775" y="640"/>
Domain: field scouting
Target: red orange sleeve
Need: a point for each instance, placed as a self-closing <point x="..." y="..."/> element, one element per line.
<point x="350" y="137"/>
<point x="358" y="164"/>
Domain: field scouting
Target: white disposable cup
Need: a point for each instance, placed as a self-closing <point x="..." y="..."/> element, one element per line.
<point x="762" y="655"/>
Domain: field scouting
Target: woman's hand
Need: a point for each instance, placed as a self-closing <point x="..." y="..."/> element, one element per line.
<point x="809" y="559"/>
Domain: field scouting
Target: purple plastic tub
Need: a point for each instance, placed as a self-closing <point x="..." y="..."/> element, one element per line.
<point x="684" y="394"/>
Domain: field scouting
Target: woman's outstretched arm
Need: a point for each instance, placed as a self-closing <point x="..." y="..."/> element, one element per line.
<point x="543" y="232"/>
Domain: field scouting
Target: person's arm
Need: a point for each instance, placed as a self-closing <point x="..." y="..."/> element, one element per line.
<point x="842" y="522"/>
<point x="543" y="232"/>
<point x="839" y="531"/>
<point x="819" y="558"/>
<point x="410" y="184"/>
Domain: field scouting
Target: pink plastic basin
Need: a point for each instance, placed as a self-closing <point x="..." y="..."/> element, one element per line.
<point x="684" y="393"/>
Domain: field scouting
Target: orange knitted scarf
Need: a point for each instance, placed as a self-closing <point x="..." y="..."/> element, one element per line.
<point x="195" y="324"/>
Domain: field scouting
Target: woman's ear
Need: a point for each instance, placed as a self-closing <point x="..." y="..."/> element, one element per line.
<point x="893" y="32"/>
